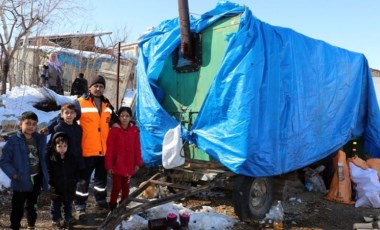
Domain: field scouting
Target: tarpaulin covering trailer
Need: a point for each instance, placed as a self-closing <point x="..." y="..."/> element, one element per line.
<point x="261" y="100"/>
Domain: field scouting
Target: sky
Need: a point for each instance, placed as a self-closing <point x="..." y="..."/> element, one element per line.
<point x="349" y="24"/>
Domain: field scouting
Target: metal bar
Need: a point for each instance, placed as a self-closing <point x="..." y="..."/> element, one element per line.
<point x="118" y="76"/>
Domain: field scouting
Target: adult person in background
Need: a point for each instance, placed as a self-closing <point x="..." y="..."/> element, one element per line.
<point x="79" y="86"/>
<point x="52" y="74"/>
<point x="95" y="114"/>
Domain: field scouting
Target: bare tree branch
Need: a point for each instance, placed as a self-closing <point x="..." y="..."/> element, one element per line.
<point x="21" y="17"/>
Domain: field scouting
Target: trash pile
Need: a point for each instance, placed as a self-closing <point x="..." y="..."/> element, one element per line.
<point x="352" y="181"/>
<point x="369" y="223"/>
<point x="175" y="216"/>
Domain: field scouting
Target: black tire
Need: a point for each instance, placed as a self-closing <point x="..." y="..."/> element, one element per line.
<point x="252" y="197"/>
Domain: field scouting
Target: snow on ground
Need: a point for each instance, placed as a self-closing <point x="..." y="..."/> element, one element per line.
<point x="5" y="182"/>
<point x="21" y="99"/>
<point x="204" y="218"/>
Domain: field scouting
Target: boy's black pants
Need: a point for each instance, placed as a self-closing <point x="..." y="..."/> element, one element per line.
<point x="27" y="200"/>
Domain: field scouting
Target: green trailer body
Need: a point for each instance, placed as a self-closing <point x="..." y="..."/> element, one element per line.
<point x="185" y="92"/>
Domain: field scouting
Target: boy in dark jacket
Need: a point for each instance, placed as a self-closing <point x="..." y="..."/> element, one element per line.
<point x="68" y="124"/>
<point x="63" y="171"/>
<point x="24" y="161"/>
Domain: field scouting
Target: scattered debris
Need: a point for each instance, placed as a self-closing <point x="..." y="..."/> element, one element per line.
<point x="358" y="226"/>
<point x="368" y="219"/>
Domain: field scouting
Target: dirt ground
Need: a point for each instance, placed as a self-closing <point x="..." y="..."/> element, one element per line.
<point x="306" y="210"/>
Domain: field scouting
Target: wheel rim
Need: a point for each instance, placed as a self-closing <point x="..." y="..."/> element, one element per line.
<point x="258" y="192"/>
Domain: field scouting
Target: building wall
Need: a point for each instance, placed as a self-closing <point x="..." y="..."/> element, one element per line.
<point x="83" y="43"/>
<point x="375" y="73"/>
<point x="79" y="43"/>
<point x="130" y="49"/>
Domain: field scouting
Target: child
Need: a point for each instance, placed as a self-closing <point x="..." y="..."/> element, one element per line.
<point x="63" y="171"/>
<point x="123" y="157"/>
<point x="24" y="161"/>
<point x="67" y="124"/>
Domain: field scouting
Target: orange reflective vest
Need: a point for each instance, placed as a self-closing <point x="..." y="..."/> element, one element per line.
<point x="95" y="127"/>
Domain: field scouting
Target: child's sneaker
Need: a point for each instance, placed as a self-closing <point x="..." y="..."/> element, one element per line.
<point x="69" y="222"/>
<point x="30" y="227"/>
<point x="102" y="204"/>
<point x="112" y="206"/>
<point x="81" y="214"/>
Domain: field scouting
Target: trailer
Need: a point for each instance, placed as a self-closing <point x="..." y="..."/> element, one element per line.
<point x="252" y="100"/>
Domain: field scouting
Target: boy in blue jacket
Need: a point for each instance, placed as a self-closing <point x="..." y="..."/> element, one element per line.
<point x="24" y="161"/>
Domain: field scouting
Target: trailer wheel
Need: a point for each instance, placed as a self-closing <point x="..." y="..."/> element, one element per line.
<point x="252" y="197"/>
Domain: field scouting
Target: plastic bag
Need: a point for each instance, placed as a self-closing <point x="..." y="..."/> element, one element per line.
<point x="314" y="181"/>
<point x="340" y="187"/>
<point x="358" y="162"/>
<point x="374" y="163"/>
<point x="276" y="212"/>
<point x="367" y="186"/>
<point x="172" y="152"/>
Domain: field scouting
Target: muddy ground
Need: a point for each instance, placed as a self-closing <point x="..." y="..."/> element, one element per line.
<point x="304" y="210"/>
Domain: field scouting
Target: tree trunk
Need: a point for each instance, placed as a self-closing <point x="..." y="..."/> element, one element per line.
<point x="5" y="76"/>
<point x="20" y="79"/>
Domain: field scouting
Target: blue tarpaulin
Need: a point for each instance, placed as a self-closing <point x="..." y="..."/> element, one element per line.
<point x="280" y="100"/>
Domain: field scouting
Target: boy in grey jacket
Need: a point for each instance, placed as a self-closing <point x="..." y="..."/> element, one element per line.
<point x="24" y="161"/>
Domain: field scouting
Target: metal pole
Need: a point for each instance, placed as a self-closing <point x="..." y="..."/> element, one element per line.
<point x="118" y="76"/>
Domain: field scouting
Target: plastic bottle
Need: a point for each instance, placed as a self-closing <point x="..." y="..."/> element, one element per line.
<point x="279" y="216"/>
<point x="184" y="220"/>
<point x="320" y="169"/>
<point x="171" y="220"/>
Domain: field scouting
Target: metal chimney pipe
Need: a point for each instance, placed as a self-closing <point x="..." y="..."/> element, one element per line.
<point x="184" y="20"/>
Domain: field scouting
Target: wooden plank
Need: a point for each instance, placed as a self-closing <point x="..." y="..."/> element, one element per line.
<point x="163" y="183"/>
<point x="138" y="200"/>
<point x="199" y="164"/>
